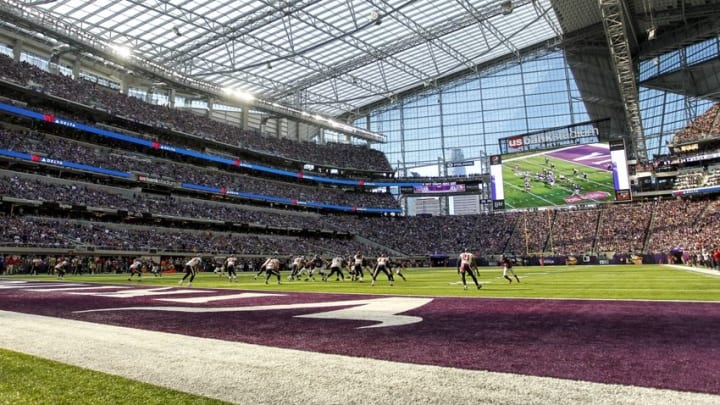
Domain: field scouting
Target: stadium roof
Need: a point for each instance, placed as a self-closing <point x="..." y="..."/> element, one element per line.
<point x="328" y="56"/>
<point x="334" y="57"/>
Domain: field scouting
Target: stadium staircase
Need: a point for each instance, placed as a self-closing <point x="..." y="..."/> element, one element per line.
<point x="598" y="224"/>
<point x="646" y="242"/>
<point x="548" y="245"/>
<point x="512" y="227"/>
<point x="597" y="232"/>
<point x="708" y="212"/>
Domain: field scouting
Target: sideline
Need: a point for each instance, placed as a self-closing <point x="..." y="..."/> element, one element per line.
<point x="253" y="374"/>
<point x="711" y="272"/>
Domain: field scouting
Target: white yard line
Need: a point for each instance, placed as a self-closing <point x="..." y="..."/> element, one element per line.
<point x="251" y="374"/>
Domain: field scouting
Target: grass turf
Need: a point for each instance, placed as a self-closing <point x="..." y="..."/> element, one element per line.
<point x="28" y="380"/>
<point x="651" y="282"/>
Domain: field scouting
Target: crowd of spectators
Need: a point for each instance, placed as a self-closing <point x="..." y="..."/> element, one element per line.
<point x="703" y="177"/>
<point x="690" y="179"/>
<point x="419" y="235"/>
<point x="134" y="109"/>
<point x="674" y="222"/>
<point x="73" y="234"/>
<point x="41" y="189"/>
<point x="532" y="231"/>
<point x="707" y="231"/>
<point x="573" y="231"/>
<point x="623" y="228"/>
<point x="706" y="126"/>
<point x="657" y="226"/>
<point x="29" y="141"/>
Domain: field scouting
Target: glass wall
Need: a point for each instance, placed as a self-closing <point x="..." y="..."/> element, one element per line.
<point x="679" y="58"/>
<point x="664" y="113"/>
<point x="471" y="114"/>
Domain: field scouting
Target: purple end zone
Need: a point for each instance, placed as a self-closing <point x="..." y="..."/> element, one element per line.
<point x="669" y="345"/>
<point x="594" y="156"/>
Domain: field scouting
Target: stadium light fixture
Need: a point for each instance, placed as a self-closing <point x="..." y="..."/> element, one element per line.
<point x="374" y="17"/>
<point x="507" y="7"/>
<point x="239" y="94"/>
<point x="122" y="51"/>
<point x="651" y="33"/>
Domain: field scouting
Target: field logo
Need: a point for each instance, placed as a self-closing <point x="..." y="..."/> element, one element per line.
<point x="384" y="311"/>
<point x="515" y="142"/>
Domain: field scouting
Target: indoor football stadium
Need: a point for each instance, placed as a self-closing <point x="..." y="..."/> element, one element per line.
<point x="359" y="202"/>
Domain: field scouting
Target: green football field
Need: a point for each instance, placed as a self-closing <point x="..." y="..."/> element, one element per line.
<point x="652" y="282"/>
<point x="31" y="380"/>
<point x="540" y="194"/>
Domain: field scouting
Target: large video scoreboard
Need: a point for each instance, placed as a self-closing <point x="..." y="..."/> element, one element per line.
<point x="566" y="175"/>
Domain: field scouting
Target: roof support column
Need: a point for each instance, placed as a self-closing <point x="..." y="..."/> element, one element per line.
<point x="210" y="106"/>
<point x="616" y="33"/>
<point x="245" y="117"/>
<point x="17" y="50"/>
<point x="76" y="69"/>
<point x="124" y="85"/>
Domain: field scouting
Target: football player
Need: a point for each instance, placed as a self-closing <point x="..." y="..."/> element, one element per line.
<point x="191" y="268"/>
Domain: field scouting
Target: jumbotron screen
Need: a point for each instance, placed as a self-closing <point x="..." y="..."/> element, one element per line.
<point x="569" y="175"/>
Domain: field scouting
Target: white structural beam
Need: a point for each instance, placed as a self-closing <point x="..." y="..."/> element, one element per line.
<point x="616" y="32"/>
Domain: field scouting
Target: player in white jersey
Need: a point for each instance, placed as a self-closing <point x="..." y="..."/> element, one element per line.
<point x="304" y="268"/>
<point x="358" y="261"/>
<point x="336" y="265"/>
<point x="466" y="265"/>
<point x="136" y="268"/>
<point x="298" y="264"/>
<point x="230" y="268"/>
<point x="191" y="268"/>
<point x="61" y="268"/>
<point x="382" y="264"/>
<point x="36" y="265"/>
<point x="272" y="267"/>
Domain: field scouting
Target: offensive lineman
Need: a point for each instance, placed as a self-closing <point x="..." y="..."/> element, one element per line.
<point x="382" y="264"/>
<point x="336" y="266"/>
<point x="317" y="262"/>
<point x="297" y="266"/>
<point x="358" y="267"/>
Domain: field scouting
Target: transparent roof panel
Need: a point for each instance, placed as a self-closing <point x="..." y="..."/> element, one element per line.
<point x="326" y="56"/>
